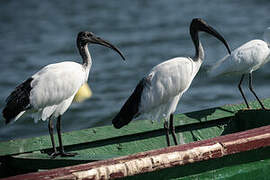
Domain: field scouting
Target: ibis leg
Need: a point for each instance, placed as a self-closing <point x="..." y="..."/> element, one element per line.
<point x="172" y="129"/>
<point x="166" y="127"/>
<point x="61" y="150"/>
<point x="240" y="89"/>
<point x="253" y="92"/>
<point x="50" y="126"/>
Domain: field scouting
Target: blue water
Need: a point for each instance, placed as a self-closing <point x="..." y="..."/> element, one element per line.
<point x="36" y="33"/>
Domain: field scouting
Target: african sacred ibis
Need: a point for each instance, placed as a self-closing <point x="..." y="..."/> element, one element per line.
<point x="158" y="93"/>
<point x="244" y="60"/>
<point x="49" y="92"/>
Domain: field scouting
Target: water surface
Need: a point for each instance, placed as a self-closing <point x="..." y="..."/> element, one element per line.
<point x="36" y="33"/>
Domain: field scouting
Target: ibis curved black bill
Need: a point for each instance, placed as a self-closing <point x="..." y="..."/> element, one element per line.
<point x="200" y="25"/>
<point x="97" y="40"/>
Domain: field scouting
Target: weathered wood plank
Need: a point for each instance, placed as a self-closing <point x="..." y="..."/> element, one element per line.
<point x="161" y="158"/>
<point x="235" y="166"/>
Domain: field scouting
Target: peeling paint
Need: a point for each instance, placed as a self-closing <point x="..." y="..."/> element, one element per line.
<point x="248" y="139"/>
<point x="83" y="174"/>
<point x="149" y="163"/>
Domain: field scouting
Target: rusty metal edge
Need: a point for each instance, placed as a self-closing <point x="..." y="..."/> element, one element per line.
<point x="161" y="158"/>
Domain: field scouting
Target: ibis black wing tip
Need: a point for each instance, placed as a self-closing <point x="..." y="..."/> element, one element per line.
<point x="130" y="109"/>
<point x="6" y="118"/>
<point x="17" y="101"/>
<point x="118" y="122"/>
<point x="117" y="126"/>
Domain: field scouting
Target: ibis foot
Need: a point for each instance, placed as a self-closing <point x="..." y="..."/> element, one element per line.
<point x="62" y="154"/>
<point x="55" y="154"/>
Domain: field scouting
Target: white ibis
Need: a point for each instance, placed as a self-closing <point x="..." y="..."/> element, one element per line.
<point x="49" y="92"/>
<point x="244" y="60"/>
<point x="158" y="93"/>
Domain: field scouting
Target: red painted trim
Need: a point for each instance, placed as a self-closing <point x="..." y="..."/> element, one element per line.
<point x="232" y="143"/>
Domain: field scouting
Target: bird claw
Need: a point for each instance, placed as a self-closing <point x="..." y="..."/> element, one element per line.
<point x="55" y="154"/>
<point x="62" y="154"/>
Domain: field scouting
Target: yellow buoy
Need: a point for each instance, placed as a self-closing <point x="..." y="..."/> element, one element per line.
<point x="83" y="93"/>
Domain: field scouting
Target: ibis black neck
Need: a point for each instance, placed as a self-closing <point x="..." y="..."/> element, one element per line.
<point x="84" y="52"/>
<point x="199" y="52"/>
<point x="197" y="25"/>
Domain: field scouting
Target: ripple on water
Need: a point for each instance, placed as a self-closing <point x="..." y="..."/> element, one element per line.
<point x="147" y="32"/>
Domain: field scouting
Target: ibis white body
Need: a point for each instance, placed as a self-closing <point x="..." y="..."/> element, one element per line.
<point x="165" y="84"/>
<point x="54" y="87"/>
<point x="247" y="58"/>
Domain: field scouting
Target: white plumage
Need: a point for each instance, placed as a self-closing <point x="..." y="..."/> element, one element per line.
<point x="157" y="94"/>
<point x="53" y="88"/>
<point x="49" y="92"/>
<point x="247" y="58"/>
<point x="244" y="60"/>
<point x="165" y="85"/>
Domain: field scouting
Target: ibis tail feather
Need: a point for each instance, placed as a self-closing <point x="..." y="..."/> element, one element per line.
<point x="130" y="108"/>
<point x="18" y="101"/>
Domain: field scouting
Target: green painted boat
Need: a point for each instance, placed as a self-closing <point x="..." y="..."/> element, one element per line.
<point x="228" y="142"/>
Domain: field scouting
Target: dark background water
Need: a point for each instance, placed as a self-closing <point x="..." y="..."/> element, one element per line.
<point x="36" y="33"/>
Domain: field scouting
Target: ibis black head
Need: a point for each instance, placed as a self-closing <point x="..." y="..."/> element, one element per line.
<point x="86" y="37"/>
<point x="199" y="24"/>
